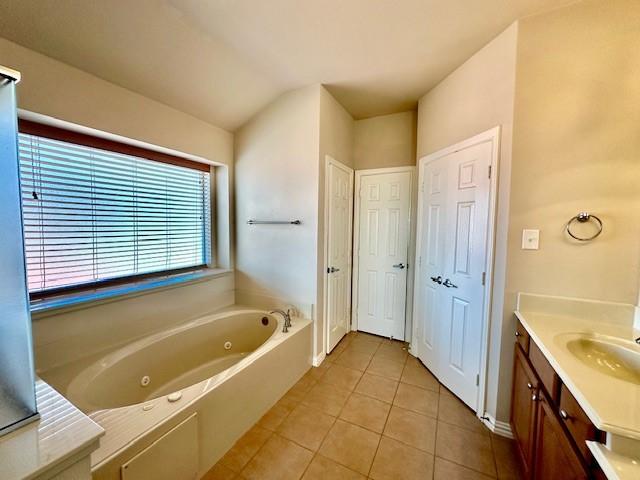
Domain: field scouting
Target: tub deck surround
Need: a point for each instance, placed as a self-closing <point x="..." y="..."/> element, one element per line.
<point x="132" y="421"/>
<point x="62" y="437"/>
<point x="612" y="404"/>
<point x="369" y="410"/>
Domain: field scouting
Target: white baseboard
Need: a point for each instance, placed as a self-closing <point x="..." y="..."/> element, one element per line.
<point x="499" y="428"/>
<point x="318" y="359"/>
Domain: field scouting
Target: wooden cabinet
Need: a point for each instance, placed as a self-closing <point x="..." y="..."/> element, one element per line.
<point x="555" y="457"/>
<point x="548" y="424"/>
<point x="523" y="412"/>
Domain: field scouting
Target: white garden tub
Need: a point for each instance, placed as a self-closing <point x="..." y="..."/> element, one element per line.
<point x="227" y="369"/>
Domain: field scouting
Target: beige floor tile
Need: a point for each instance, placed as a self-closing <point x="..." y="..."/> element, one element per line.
<point x="274" y="417"/>
<point x="322" y="468"/>
<point x="395" y="351"/>
<point x="367" y="347"/>
<point x="327" y="398"/>
<point x="245" y="448"/>
<point x="354" y="359"/>
<point x="330" y="358"/>
<point x="419" y="376"/>
<point x="367" y="337"/>
<point x="366" y="412"/>
<point x="505" y="453"/>
<point x="445" y="391"/>
<point x="417" y="399"/>
<point x="411" y="428"/>
<point x="300" y="389"/>
<point x="466" y="448"/>
<point x="278" y="459"/>
<point x="316" y="373"/>
<point x="452" y="410"/>
<point x="219" y="472"/>
<point x="337" y="351"/>
<point x="385" y="368"/>
<point x="378" y="387"/>
<point x="445" y="470"/>
<point x="350" y="445"/>
<point x="342" y="377"/>
<point x="306" y="426"/>
<point x="397" y="461"/>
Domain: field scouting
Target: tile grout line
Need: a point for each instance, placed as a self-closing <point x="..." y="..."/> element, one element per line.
<point x="274" y="432"/>
<point x="300" y="402"/>
<point x="384" y="427"/>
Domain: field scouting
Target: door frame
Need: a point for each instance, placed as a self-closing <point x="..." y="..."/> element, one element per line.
<point x="329" y="160"/>
<point x="493" y="136"/>
<point x="410" y="245"/>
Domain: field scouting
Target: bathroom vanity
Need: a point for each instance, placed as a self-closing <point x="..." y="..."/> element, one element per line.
<point x="576" y="389"/>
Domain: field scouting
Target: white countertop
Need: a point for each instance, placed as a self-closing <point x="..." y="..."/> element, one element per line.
<point x="62" y="434"/>
<point x="613" y="405"/>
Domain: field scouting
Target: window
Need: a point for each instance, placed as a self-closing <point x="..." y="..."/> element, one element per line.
<point x="98" y="212"/>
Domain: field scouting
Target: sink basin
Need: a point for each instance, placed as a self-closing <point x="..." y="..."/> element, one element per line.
<point x="608" y="355"/>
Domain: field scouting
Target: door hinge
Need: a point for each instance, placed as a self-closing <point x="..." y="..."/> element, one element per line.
<point x="422" y="187"/>
<point x="484" y="277"/>
<point x="477" y="380"/>
<point x="489" y="171"/>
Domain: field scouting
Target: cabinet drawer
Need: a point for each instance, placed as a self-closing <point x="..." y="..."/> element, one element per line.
<point x="545" y="371"/>
<point x="577" y="423"/>
<point x="522" y="337"/>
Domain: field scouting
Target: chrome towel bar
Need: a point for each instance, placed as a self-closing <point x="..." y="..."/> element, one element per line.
<point x="274" y="222"/>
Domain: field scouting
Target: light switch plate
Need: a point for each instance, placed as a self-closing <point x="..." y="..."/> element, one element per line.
<point x="530" y="239"/>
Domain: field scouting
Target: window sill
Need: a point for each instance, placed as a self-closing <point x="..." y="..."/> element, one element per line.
<point x="74" y="301"/>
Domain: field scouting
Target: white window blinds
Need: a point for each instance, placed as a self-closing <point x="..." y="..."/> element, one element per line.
<point x="93" y="215"/>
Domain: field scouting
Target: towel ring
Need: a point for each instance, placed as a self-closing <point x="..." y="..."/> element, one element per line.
<point x="583" y="217"/>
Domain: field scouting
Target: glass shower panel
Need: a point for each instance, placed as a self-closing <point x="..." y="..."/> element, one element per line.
<point x="17" y="389"/>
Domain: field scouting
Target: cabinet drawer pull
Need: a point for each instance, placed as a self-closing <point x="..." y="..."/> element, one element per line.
<point x="564" y="414"/>
<point x="534" y="397"/>
<point x="517" y="334"/>
<point x="529" y="386"/>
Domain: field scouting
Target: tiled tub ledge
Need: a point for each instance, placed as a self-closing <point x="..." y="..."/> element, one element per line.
<point x="58" y="445"/>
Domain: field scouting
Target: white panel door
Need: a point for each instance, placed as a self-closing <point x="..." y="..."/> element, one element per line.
<point x="339" y="225"/>
<point x="384" y="216"/>
<point x="453" y="252"/>
<point x="431" y="264"/>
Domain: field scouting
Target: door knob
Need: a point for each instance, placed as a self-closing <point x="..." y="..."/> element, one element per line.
<point x="332" y="270"/>
<point x="399" y="265"/>
<point x="447" y="283"/>
<point x="437" y="279"/>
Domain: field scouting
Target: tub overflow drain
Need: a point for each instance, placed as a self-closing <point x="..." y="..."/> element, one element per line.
<point x="227" y="345"/>
<point x="145" y="381"/>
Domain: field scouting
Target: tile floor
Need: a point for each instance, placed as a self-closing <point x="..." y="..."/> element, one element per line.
<point x="369" y="411"/>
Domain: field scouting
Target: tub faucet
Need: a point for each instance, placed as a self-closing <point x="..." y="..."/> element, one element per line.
<point x="287" y="318"/>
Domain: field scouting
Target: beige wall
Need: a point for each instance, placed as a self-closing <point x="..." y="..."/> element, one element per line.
<point x="576" y="146"/>
<point x="56" y="90"/>
<point x="336" y="140"/>
<point x="474" y="98"/>
<point x="570" y="96"/>
<point x="385" y="141"/>
<point x="277" y="177"/>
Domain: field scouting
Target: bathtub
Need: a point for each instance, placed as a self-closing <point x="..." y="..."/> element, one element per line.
<point x="191" y="390"/>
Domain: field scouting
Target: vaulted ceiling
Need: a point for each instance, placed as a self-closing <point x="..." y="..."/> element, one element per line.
<point x="223" y="60"/>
